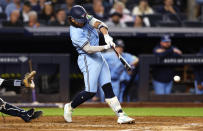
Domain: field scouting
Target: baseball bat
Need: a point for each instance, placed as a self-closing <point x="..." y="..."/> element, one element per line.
<point x="33" y="90"/>
<point x="123" y="61"/>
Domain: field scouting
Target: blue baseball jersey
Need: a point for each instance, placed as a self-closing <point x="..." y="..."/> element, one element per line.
<point x="93" y="66"/>
<point x="81" y="36"/>
<point x="117" y="70"/>
<point x="130" y="59"/>
<point x="115" y="65"/>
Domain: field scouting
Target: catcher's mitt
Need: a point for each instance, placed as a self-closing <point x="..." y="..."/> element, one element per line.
<point x="28" y="79"/>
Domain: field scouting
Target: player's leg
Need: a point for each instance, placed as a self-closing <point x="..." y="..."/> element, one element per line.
<point x="101" y="94"/>
<point x="168" y="87"/>
<point x="91" y="81"/>
<point x="91" y="75"/>
<point x="116" y="87"/>
<point x="110" y="98"/>
<point x="159" y="87"/>
<point x="12" y="110"/>
<point x="198" y="91"/>
<point x="122" y="89"/>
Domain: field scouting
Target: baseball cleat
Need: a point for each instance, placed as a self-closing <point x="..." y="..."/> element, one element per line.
<point x="68" y="112"/>
<point x="36" y="114"/>
<point x="124" y="119"/>
<point x="28" y="79"/>
<point x="26" y="116"/>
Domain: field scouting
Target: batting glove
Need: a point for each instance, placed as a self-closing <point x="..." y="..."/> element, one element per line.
<point x="112" y="44"/>
<point x="108" y="39"/>
<point x="106" y="47"/>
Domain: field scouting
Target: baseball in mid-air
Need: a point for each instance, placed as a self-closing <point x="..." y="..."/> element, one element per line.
<point x="176" y="78"/>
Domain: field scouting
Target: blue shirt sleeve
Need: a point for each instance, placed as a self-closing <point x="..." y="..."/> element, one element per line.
<point x="1" y="10"/>
<point x="8" y="10"/>
<point x="167" y="53"/>
<point x="129" y="58"/>
<point x="78" y="37"/>
<point x="117" y="71"/>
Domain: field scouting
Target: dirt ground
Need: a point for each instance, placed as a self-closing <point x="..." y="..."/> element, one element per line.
<point x="103" y="123"/>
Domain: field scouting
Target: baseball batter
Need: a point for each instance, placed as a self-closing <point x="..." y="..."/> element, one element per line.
<point x="96" y="72"/>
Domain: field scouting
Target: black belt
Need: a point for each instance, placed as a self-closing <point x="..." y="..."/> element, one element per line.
<point x="81" y="53"/>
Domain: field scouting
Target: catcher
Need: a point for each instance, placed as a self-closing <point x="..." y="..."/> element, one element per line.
<point x="12" y="110"/>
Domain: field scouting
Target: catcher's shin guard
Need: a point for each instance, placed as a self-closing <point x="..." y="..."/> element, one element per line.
<point x="15" y="111"/>
<point x="2" y="104"/>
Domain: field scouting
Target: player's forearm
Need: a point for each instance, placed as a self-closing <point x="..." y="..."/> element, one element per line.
<point x="102" y="27"/>
<point x="104" y="31"/>
<point x="93" y="49"/>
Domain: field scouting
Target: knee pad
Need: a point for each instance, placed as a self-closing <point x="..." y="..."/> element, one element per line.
<point x="2" y="104"/>
<point x="108" y="91"/>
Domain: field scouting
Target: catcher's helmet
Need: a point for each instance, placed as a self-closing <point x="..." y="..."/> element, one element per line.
<point x="78" y="13"/>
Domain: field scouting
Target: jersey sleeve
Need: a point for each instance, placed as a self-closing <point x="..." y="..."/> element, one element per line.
<point x="90" y="20"/>
<point x="130" y="58"/>
<point x="78" y="38"/>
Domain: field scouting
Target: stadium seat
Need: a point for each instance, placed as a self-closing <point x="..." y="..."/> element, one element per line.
<point x="153" y="19"/>
<point x="168" y="24"/>
<point x="42" y="22"/>
<point x="156" y="8"/>
<point x="2" y="16"/>
<point x="130" y="24"/>
<point x="175" y="18"/>
<point x="3" y="23"/>
<point x="192" y="24"/>
<point x="183" y="16"/>
<point x="131" y="6"/>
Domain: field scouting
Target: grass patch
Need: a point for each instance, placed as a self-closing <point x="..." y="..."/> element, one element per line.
<point x="129" y="111"/>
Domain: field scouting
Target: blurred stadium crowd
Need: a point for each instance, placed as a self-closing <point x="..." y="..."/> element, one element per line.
<point x="116" y="13"/>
